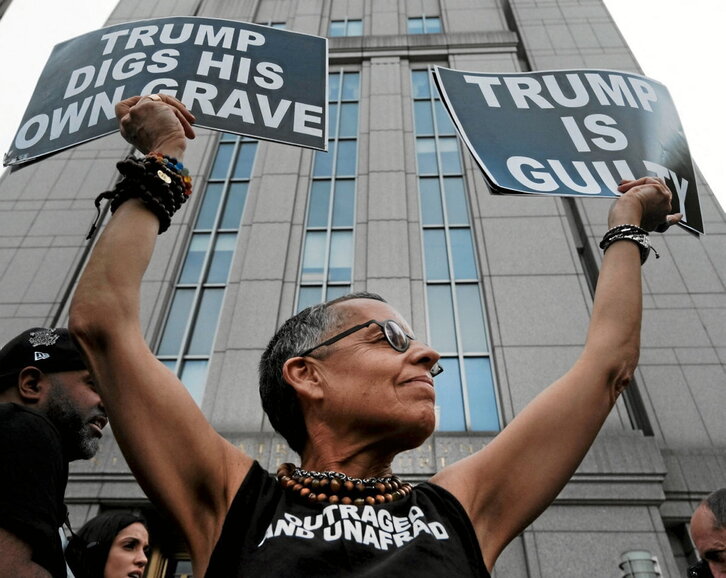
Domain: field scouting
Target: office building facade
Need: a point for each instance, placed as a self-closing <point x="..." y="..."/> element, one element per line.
<point x="501" y="286"/>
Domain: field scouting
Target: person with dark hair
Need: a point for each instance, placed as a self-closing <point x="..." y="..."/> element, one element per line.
<point x="708" y="530"/>
<point x="50" y="415"/>
<point x="350" y="387"/>
<point x="114" y="544"/>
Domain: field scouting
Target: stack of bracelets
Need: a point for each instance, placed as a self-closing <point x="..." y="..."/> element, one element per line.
<point x="629" y="233"/>
<point x="161" y="182"/>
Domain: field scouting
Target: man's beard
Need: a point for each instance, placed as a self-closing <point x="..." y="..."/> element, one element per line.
<point x="79" y="441"/>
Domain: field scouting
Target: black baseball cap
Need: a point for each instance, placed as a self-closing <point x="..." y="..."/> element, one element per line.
<point x="50" y="350"/>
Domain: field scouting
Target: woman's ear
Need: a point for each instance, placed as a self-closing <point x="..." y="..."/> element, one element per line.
<point x="303" y="375"/>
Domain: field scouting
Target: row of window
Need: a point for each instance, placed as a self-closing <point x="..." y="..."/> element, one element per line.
<point x="353" y="27"/>
<point x="418" y="25"/>
<point x="456" y="316"/>
<point x="188" y="335"/>
<point x="327" y="264"/>
<point x="465" y="393"/>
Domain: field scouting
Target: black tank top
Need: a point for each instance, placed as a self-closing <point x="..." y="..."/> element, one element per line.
<point x="270" y="532"/>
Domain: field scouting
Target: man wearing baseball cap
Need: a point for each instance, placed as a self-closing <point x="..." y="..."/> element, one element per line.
<point x="50" y="415"/>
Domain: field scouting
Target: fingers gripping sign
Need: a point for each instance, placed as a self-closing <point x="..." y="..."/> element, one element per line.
<point x="653" y="198"/>
<point x="157" y="122"/>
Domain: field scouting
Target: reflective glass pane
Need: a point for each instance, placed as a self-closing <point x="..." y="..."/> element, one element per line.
<point x="347" y="150"/>
<point x="348" y="119"/>
<point x="228" y="136"/>
<point x="169" y="364"/>
<point x="343" y="203"/>
<point x="420" y="81"/>
<point x="205" y="325"/>
<point x="462" y="253"/>
<point x="351" y="86"/>
<point x="323" y="165"/>
<point x="333" y="86"/>
<point x="319" y="204"/>
<point x="336" y="28"/>
<point x="309" y="296"/>
<point x="176" y="322"/>
<point x="333" y="119"/>
<point x="194" y="376"/>
<point x="341" y="256"/>
<point x="433" y="25"/>
<point x="335" y="291"/>
<point x="456" y="209"/>
<point x="471" y="319"/>
<point x="210" y="204"/>
<point x="441" y="318"/>
<point x="443" y="120"/>
<point x="232" y="215"/>
<point x="431" y="212"/>
<point x="450" y="162"/>
<point x="194" y="260"/>
<point x="245" y="158"/>
<point x="355" y="28"/>
<point x="415" y="25"/>
<point x="437" y="261"/>
<point x="314" y="256"/>
<point x="449" y="401"/>
<point x="222" y="258"/>
<point x="426" y="156"/>
<point x="423" y="118"/>
<point x="222" y="160"/>
<point x="480" y="389"/>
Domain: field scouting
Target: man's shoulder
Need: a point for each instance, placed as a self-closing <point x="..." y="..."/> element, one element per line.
<point x="18" y="420"/>
<point x="22" y="413"/>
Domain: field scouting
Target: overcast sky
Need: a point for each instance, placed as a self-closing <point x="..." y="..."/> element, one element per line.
<point x="676" y="43"/>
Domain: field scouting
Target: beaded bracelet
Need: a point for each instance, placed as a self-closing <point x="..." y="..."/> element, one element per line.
<point x="630" y="233"/>
<point x="159" y="181"/>
<point x="177" y="167"/>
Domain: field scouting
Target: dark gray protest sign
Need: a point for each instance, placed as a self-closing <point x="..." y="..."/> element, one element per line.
<point x="234" y="76"/>
<point x="571" y="132"/>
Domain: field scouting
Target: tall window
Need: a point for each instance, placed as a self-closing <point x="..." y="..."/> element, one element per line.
<point x="345" y="28"/>
<point x="188" y="336"/>
<point x="424" y="25"/>
<point x="327" y="262"/>
<point x="457" y="325"/>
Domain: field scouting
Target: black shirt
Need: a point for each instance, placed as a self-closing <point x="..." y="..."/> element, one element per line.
<point x="270" y="532"/>
<point x="33" y="477"/>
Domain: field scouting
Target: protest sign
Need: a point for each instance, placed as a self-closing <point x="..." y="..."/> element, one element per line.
<point x="234" y="76"/>
<point x="571" y="132"/>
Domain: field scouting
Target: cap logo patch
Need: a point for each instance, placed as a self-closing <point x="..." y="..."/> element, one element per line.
<point x="45" y="337"/>
<point x="39" y="355"/>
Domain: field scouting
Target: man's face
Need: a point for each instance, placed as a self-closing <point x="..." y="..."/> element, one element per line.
<point x="710" y="540"/>
<point x="370" y="387"/>
<point x="75" y="408"/>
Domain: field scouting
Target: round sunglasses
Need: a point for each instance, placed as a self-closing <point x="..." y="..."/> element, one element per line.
<point x="396" y="337"/>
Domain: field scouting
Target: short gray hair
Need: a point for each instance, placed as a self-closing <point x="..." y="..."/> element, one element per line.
<point x="716" y="502"/>
<point x="299" y="333"/>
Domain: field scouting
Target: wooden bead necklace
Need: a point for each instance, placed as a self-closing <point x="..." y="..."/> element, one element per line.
<point x="338" y="488"/>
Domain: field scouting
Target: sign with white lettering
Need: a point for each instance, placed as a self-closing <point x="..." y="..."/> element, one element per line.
<point x="571" y="133"/>
<point x="234" y="76"/>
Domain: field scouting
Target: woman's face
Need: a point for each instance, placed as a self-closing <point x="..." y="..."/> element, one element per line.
<point x="127" y="556"/>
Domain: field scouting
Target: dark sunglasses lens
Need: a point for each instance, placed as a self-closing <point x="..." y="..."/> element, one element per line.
<point x="395" y="335"/>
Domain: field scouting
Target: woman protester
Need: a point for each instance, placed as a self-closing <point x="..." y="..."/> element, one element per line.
<point x="114" y="544"/>
<point x="349" y="387"/>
